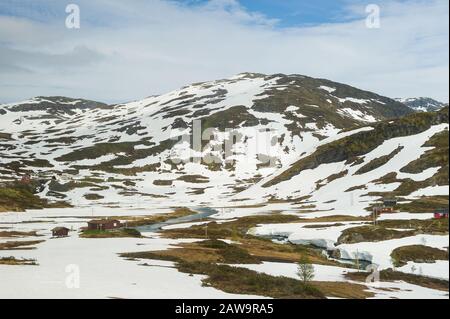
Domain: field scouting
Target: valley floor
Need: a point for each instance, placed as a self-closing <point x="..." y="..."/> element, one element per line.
<point x="75" y="267"/>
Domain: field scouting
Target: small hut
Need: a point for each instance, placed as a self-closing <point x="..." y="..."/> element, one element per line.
<point x="104" y="224"/>
<point x="441" y="213"/>
<point x="390" y="202"/>
<point x="60" y="232"/>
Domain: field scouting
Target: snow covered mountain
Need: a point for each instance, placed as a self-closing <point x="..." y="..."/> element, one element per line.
<point x="268" y="137"/>
<point x="422" y="104"/>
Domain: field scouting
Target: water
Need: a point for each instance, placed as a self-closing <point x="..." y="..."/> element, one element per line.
<point x="202" y="213"/>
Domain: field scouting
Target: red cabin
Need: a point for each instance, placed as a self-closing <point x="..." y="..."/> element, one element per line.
<point x="441" y="214"/>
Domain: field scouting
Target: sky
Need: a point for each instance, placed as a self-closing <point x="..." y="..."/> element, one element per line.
<point x="128" y="50"/>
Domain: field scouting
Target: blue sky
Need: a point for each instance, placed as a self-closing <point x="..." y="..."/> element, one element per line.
<point x="288" y="13"/>
<point x="128" y="50"/>
<point x="292" y="13"/>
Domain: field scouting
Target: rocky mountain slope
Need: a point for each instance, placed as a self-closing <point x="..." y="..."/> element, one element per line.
<point x="423" y="104"/>
<point x="294" y="138"/>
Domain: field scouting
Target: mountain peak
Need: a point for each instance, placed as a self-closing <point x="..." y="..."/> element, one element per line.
<point x="422" y="104"/>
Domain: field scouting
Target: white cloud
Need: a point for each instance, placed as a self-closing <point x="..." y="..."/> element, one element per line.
<point x="124" y="52"/>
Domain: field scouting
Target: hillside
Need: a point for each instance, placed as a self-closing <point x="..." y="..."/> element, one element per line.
<point x="86" y="152"/>
<point x="423" y="104"/>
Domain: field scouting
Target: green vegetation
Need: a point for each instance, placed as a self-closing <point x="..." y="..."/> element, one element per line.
<point x="136" y="221"/>
<point x="392" y="229"/>
<point x="436" y="157"/>
<point x="55" y="186"/>
<point x="418" y="254"/>
<point x="13" y="234"/>
<point x="425" y="204"/>
<point x="390" y="275"/>
<point x="12" y="261"/>
<point x="202" y="258"/>
<point x="351" y="147"/>
<point x="231" y="118"/>
<point x="227" y="230"/>
<point x="371" y="234"/>
<point x="160" y="182"/>
<point x="429" y="226"/>
<point x="93" y="196"/>
<point x="114" y="233"/>
<point x="98" y="150"/>
<point x="20" y="245"/>
<point x="305" y="270"/>
<point x="19" y="197"/>
<point x="261" y="248"/>
<point x="196" y="179"/>
<point x="206" y="251"/>
<point x="131" y="155"/>
<point x="243" y="281"/>
<point x="378" y="162"/>
<point x="5" y="136"/>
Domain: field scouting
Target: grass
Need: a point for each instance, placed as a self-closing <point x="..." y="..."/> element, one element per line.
<point x="136" y="221"/>
<point x="257" y="247"/>
<point x="160" y="182"/>
<point x="115" y="233"/>
<point x="229" y="229"/>
<point x="97" y="150"/>
<point x="429" y="226"/>
<point x="390" y="275"/>
<point x="371" y="234"/>
<point x="266" y="250"/>
<point x="344" y="290"/>
<point x="418" y="254"/>
<point x="335" y="219"/>
<point x="20" y="245"/>
<point x="93" y="196"/>
<point x="196" y="179"/>
<point x="14" y="234"/>
<point x="352" y="147"/>
<point x="378" y="162"/>
<point x="243" y="281"/>
<point x="15" y="197"/>
<point x="436" y="157"/>
<point x="425" y="204"/>
<point x="5" y="136"/>
<point x="12" y="261"/>
<point x="206" y="251"/>
<point x="18" y="197"/>
<point x="210" y="256"/>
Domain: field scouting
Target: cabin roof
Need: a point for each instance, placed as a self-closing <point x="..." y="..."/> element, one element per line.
<point x="103" y="221"/>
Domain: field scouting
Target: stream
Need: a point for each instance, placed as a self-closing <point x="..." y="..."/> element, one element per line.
<point x="202" y="213"/>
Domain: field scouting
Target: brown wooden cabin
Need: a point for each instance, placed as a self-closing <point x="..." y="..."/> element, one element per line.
<point x="104" y="224"/>
<point x="60" y="232"/>
<point x="390" y="202"/>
